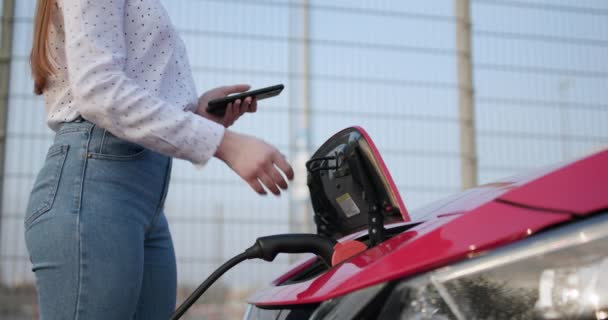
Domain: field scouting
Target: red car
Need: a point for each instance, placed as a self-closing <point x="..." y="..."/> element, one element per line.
<point x="533" y="246"/>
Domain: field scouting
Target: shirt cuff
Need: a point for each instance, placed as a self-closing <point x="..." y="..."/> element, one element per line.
<point x="208" y="142"/>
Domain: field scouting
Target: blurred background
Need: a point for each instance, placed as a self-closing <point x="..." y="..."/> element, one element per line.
<point x="455" y="93"/>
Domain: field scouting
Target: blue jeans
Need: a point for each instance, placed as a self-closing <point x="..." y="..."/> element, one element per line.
<point x="95" y="229"/>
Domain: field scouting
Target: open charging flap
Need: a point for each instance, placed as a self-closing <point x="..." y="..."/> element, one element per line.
<point x="351" y="188"/>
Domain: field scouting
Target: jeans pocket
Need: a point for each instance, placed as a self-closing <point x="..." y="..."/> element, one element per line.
<point x="46" y="184"/>
<point x="114" y="148"/>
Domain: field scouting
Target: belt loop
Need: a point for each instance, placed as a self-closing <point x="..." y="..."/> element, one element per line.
<point x="103" y="139"/>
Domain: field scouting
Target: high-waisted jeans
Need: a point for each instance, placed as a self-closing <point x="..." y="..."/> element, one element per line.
<point x="95" y="229"/>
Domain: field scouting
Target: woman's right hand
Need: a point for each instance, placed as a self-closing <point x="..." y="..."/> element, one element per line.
<point x="255" y="161"/>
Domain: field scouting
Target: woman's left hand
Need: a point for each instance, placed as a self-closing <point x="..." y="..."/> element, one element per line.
<point x="233" y="110"/>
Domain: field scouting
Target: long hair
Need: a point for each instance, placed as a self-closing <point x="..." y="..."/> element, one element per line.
<point x="40" y="61"/>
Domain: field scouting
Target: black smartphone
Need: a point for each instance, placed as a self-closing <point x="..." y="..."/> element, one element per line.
<point x="217" y="107"/>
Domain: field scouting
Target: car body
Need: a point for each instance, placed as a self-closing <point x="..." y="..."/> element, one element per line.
<point x="533" y="246"/>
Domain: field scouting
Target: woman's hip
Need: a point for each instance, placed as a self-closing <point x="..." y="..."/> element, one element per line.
<point x="88" y="168"/>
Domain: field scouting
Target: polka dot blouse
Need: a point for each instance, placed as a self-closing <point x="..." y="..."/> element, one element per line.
<point x="122" y="65"/>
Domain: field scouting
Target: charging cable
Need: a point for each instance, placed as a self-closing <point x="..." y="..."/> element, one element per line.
<point x="266" y="248"/>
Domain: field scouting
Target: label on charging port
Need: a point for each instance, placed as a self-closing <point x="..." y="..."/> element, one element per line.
<point x="348" y="205"/>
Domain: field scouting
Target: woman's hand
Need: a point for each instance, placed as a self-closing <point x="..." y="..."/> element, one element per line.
<point x="233" y="111"/>
<point x="255" y="161"/>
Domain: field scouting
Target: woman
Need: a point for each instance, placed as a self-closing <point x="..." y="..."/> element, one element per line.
<point x="120" y="95"/>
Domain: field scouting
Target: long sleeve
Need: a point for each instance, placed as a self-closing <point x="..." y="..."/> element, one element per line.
<point x="96" y="54"/>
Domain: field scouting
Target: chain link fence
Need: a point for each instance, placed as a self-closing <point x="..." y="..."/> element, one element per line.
<point x="540" y="79"/>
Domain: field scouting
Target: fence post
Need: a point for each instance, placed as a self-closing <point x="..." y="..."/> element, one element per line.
<point x="6" y="48"/>
<point x="468" y="147"/>
<point x="300" y="116"/>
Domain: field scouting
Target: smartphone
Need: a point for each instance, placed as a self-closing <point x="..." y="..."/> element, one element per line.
<point x="217" y="107"/>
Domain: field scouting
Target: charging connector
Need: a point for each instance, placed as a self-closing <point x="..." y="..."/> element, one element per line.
<point x="266" y="248"/>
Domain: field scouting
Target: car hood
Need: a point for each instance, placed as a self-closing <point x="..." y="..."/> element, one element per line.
<point x="460" y="227"/>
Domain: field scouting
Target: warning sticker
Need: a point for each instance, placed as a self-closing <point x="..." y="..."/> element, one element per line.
<point x="348" y="205"/>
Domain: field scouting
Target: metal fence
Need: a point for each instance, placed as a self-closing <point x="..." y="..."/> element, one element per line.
<point x="540" y="67"/>
<point x="540" y="78"/>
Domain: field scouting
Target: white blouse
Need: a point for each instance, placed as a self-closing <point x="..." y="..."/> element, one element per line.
<point x="121" y="65"/>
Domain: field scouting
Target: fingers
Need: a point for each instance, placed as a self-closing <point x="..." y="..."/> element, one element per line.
<point x="254" y="105"/>
<point x="256" y="186"/>
<point x="250" y="104"/>
<point x="245" y="106"/>
<point x="269" y="183"/>
<point x="272" y="179"/>
<point x="276" y="177"/>
<point x="281" y="163"/>
<point x="230" y="114"/>
<point x="238" y="105"/>
<point x="237" y="110"/>
<point x="261" y="165"/>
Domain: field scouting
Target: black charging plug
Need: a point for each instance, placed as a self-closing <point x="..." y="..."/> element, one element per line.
<point x="266" y="248"/>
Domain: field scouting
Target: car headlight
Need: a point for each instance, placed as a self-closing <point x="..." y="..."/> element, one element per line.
<point x="559" y="274"/>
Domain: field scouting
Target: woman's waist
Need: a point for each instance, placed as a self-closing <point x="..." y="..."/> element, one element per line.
<point x="97" y="142"/>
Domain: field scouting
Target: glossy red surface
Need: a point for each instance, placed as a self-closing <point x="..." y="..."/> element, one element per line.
<point x="424" y="247"/>
<point x="389" y="178"/>
<point x="459" y="227"/>
<point x="579" y="188"/>
<point x="300" y="267"/>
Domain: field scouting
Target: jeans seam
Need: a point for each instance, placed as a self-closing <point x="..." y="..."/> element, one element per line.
<point x="80" y="237"/>
<point x="80" y="178"/>
<point x="46" y="206"/>
<point x="161" y="203"/>
<point x="103" y="138"/>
